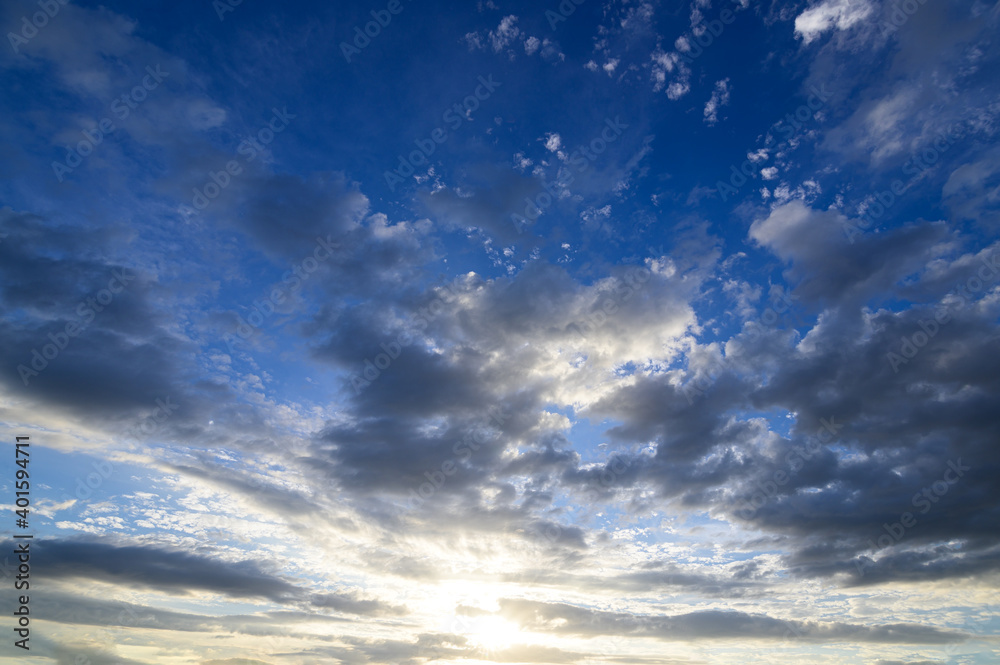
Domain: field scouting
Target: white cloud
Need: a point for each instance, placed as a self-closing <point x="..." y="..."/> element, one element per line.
<point x="839" y="14"/>
<point x="205" y="115"/>
<point x="678" y="89"/>
<point x="639" y="18"/>
<point x="505" y="33"/>
<point x="720" y="98"/>
<point x="474" y="40"/>
<point x="669" y="63"/>
<point x="884" y="124"/>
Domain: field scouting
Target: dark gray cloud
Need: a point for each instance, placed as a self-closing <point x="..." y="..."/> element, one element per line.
<point x="384" y="478"/>
<point x="826" y="267"/>
<point x="572" y="620"/>
<point x="119" y="332"/>
<point x="733" y="582"/>
<point x="285" y="214"/>
<point x="180" y="572"/>
<point x="832" y="508"/>
<point x="69" y="608"/>
<point x="490" y="195"/>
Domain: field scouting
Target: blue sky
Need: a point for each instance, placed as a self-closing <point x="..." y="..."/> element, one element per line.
<point x="580" y="332"/>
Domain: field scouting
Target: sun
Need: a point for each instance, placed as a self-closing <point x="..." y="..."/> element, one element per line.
<point x="492" y="633"/>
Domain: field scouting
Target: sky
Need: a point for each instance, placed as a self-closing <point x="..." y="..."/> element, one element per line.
<point x="594" y="332"/>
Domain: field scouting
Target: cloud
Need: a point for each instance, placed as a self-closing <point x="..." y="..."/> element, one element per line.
<point x="839" y="14"/>
<point x="325" y="204"/>
<point x="826" y="266"/>
<point x="489" y="196"/>
<point x="720" y="98"/>
<point x="670" y="63"/>
<point x="576" y="415"/>
<point x="506" y="32"/>
<point x="566" y="619"/>
<point x="181" y="573"/>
